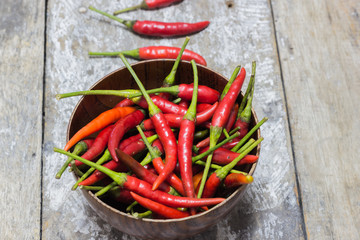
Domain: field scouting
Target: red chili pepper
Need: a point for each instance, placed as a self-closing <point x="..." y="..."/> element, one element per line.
<point x="186" y="138"/>
<point x="184" y="103"/>
<point x="98" y="146"/>
<point x="158" y="208"/>
<point x="140" y="171"/>
<point x="148" y="4"/>
<point x="219" y="175"/>
<point x="223" y="156"/>
<point x="145" y="189"/>
<point x="121" y="127"/>
<point x="184" y="91"/>
<point x="172" y="179"/>
<point x="79" y="148"/>
<point x="220" y="118"/>
<point x="125" y="103"/>
<point x="244" y="117"/>
<point x="232" y="118"/>
<point x="162" y="128"/>
<point x="236" y="179"/>
<point x="124" y="143"/>
<point x="174" y="120"/>
<point x="101" y="121"/>
<point x="158" y="29"/>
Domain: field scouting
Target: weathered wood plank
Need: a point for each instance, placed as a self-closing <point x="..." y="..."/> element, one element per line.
<point x="238" y="34"/>
<point x="21" y="67"/>
<point x="320" y="53"/>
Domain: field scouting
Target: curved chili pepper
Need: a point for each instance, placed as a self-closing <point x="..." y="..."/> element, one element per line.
<point x="148" y="4"/>
<point x="121" y="127"/>
<point x="162" y="128"/>
<point x="79" y="148"/>
<point x="186" y="138"/>
<point x="145" y="189"/>
<point x="101" y="121"/>
<point x="236" y="179"/>
<point x="219" y="175"/>
<point x="232" y="118"/>
<point x="223" y="156"/>
<point x="158" y="29"/>
<point x="220" y="118"/>
<point x="125" y="103"/>
<point x="98" y="146"/>
<point x="174" y="120"/>
<point x="158" y="208"/>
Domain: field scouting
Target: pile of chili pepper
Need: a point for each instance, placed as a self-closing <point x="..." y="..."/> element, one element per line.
<point x="165" y="156"/>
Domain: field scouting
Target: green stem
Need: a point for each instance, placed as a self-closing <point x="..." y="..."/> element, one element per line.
<point x="215" y="166"/>
<point x="248" y="135"/>
<point x="153" y="109"/>
<point x="105" y="189"/>
<point x="129" y="24"/>
<point x="128" y="9"/>
<point x="226" y="133"/>
<point x="212" y="149"/>
<point x="119" y="178"/>
<point x="231" y="80"/>
<point x="215" y="133"/>
<point x="128" y="93"/>
<point x="104" y="158"/>
<point x="245" y="115"/>
<point x="79" y="148"/>
<point x="147" y="143"/>
<point x="131" y="206"/>
<point x="170" y="79"/>
<point x="223" y="172"/>
<point x="142" y="215"/>
<point x="191" y="112"/>
<point x="251" y="82"/>
<point x="234" y="130"/>
<point x="134" y="53"/>
<point x="246" y="145"/>
<point x="75" y="169"/>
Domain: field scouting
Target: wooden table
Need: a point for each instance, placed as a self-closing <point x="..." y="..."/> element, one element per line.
<point x="307" y="52"/>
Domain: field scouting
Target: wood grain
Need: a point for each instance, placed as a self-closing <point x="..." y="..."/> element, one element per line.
<point x="21" y="91"/>
<point x="319" y="52"/>
<point x="238" y="34"/>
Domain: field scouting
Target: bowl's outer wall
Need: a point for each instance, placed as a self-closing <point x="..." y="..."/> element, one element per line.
<point x="152" y="73"/>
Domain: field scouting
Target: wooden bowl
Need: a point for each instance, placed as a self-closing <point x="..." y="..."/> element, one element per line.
<point x="152" y="73"/>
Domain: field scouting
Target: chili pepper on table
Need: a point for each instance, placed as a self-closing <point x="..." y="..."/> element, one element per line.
<point x="220" y="118"/>
<point x="186" y="138"/>
<point x="79" y="148"/>
<point x="101" y="121"/>
<point x="174" y="120"/>
<point x="219" y="175"/>
<point x="98" y="146"/>
<point x="156" y="28"/>
<point x="121" y="127"/>
<point x="163" y="130"/>
<point x="164" y="211"/>
<point x="148" y="4"/>
<point x="145" y="189"/>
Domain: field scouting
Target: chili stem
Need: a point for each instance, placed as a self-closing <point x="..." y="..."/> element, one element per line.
<point x="231" y="80"/>
<point x="105" y="157"/>
<point x="234" y="130"/>
<point x="127" y="23"/>
<point x="246" y="145"/>
<point x="128" y="9"/>
<point x="215" y="166"/>
<point x="105" y="189"/>
<point x="248" y="90"/>
<point x="226" y="133"/>
<point x="248" y="135"/>
<point x="170" y="79"/>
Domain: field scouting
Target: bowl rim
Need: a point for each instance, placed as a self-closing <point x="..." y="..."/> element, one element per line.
<point x="115" y="210"/>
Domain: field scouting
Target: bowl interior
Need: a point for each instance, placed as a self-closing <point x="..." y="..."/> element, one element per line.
<point x="152" y="73"/>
